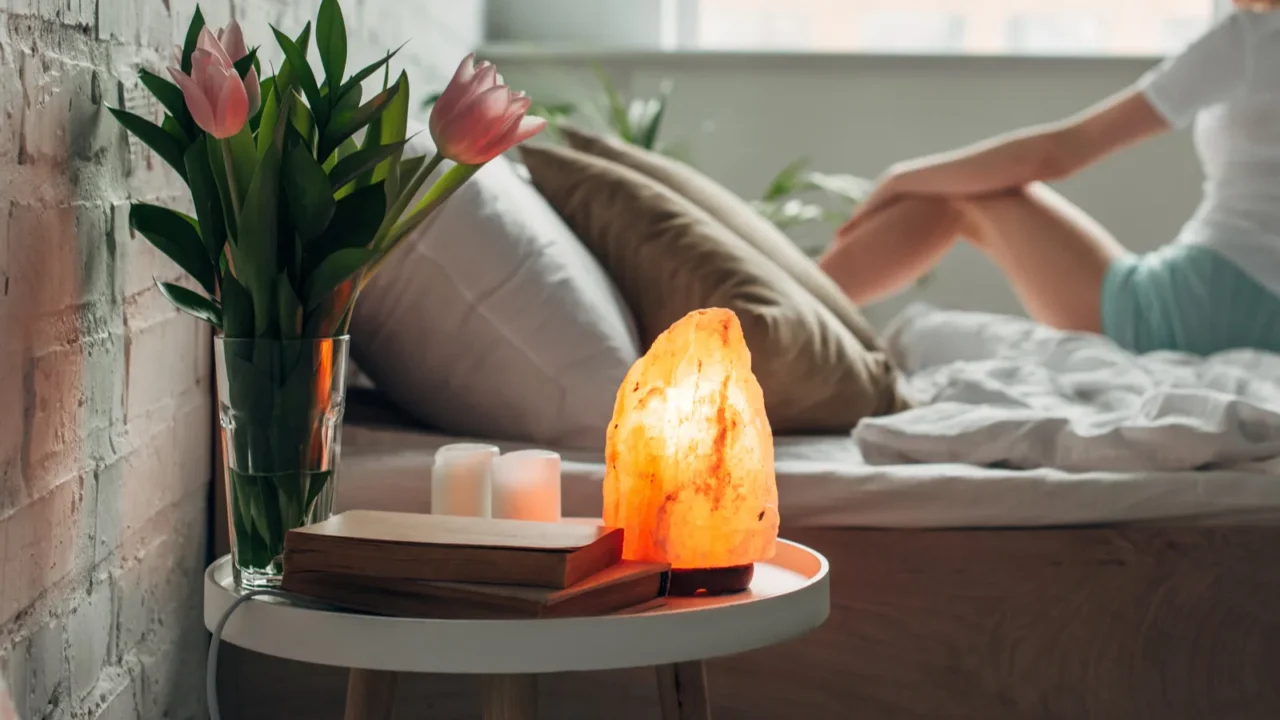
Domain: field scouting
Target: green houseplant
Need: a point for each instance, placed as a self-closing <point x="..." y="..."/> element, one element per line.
<point x="301" y="189"/>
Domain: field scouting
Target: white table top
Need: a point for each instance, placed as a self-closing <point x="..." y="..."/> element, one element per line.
<point x="789" y="596"/>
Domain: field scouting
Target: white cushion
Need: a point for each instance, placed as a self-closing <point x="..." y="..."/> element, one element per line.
<point x="495" y="321"/>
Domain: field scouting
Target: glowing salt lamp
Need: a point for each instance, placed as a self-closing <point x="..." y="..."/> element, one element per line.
<point x="690" y="458"/>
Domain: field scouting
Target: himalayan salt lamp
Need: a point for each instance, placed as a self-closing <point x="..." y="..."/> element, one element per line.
<point x="689" y="458"/>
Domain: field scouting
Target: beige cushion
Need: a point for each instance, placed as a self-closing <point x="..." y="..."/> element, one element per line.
<point x="493" y="321"/>
<point x="737" y="215"/>
<point x="668" y="257"/>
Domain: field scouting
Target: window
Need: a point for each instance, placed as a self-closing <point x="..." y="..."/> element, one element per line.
<point x="906" y="31"/>
<point x="1055" y="34"/>
<point x="993" y="27"/>
<point x="980" y="27"/>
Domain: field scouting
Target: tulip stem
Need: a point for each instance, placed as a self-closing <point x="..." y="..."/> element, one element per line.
<point x="229" y="160"/>
<point x="406" y="196"/>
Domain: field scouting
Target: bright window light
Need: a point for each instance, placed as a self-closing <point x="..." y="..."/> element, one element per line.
<point x="981" y="27"/>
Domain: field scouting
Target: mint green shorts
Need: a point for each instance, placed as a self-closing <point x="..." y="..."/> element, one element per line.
<point x="1188" y="298"/>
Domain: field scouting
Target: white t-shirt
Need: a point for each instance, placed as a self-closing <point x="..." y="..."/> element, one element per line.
<point x="1228" y="82"/>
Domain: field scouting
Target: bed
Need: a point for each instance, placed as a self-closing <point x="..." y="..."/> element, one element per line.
<point x="958" y="591"/>
<point x="1161" y="601"/>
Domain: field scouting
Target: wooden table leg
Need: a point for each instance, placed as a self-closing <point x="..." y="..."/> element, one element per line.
<point x="510" y="697"/>
<point x="371" y="695"/>
<point x="682" y="690"/>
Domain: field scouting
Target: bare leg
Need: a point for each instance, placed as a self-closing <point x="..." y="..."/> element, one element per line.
<point x="889" y="250"/>
<point x="1054" y="255"/>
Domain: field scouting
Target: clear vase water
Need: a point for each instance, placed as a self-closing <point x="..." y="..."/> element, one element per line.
<point x="280" y="406"/>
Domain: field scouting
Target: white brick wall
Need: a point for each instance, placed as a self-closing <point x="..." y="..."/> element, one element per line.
<point x="105" y="412"/>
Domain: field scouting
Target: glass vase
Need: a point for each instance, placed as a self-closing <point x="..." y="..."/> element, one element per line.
<point x="280" y="406"/>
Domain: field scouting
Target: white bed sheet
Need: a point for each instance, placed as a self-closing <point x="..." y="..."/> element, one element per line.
<point x="823" y="482"/>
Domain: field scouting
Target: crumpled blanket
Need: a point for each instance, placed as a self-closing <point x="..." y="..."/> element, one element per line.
<point x="1002" y="391"/>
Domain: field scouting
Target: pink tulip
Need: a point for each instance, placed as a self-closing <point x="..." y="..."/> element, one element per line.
<point x="477" y="118"/>
<point x="232" y="39"/>
<point x="215" y="94"/>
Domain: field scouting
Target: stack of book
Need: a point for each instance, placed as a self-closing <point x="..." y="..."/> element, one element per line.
<point x="441" y="566"/>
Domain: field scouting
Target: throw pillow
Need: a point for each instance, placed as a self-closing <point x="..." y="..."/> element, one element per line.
<point x="737" y="215"/>
<point x="669" y="257"/>
<point x="495" y="322"/>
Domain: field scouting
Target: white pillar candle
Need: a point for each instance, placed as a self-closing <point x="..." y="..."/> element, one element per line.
<point x="526" y="486"/>
<point x="461" y="479"/>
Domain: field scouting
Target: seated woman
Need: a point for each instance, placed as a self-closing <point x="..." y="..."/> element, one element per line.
<point x="1216" y="287"/>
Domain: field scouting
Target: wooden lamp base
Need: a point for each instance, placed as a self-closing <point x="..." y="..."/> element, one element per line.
<point x="711" y="581"/>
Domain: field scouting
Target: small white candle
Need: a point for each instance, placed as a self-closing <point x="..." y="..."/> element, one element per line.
<point x="461" y="480"/>
<point x="526" y="486"/>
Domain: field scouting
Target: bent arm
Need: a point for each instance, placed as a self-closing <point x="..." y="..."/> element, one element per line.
<point x="1046" y="152"/>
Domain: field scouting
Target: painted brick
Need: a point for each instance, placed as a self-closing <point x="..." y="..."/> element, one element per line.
<point x="45" y="668"/>
<point x="12" y="422"/>
<point x="90" y="632"/>
<point x="106" y="420"/>
<point x="117" y="697"/>
<point x="41" y="542"/>
<point x="59" y="113"/>
<point x="13" y="669"/>
<point x="157" y="355"/>
<point x="42" y="256"/>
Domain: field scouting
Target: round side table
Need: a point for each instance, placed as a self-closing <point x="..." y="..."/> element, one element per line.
<point x="788" y="597"/>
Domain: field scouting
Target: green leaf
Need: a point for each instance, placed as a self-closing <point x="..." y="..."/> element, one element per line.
<point x="351" y="166"/>
<point x="290" y="309"/>
<point x="270" y="113"/>
<point x="355" y="222"/>
<point x="170" y="96"/>
<point x="394" y="126"/>
<point x="787" y="181"/>
<point x="305" y="123"/>
<point x="648" y="137"/>
<point x="331" y="40"/>
<point x="192" y="303"/>
<point x="158" y="139"/>
<point x="310" y="197"/>
<point x="332" y="271"/>
<point x="174" y="128"/>
<point x="365" y="73"/>
<point x="247" y="63"/>
<point x="348" y="147"/>
<point x="617" y="106"/>
<point x="176" y="235"/>
<point x="244" y="156"/>
<point x="318" y="481"/>
<point x="301" y="71"/>
<point x="266" y="87"/>
<point x="256" y="262"/>
<point x="553" y="112"/>
<point x="348" y="122"/>
<point x="350" y="101"/>
<point x="204" y="194"/>
<point x="193" y="35"/>
<point x="436" y="195"/>
<point x="237" y="308"/>
<point x="218" y="169"/>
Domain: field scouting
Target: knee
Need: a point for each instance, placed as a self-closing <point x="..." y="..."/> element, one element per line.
<point x="975" y="213"/>
<point x="980" y="204"/>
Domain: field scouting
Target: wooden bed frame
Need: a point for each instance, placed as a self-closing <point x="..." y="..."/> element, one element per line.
<point x="1167" y="621"/>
